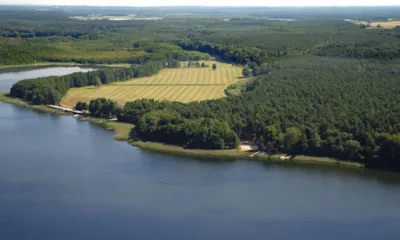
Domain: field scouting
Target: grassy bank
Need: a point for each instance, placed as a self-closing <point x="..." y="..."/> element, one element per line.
<point x="121" y="130"/>
<point x="176" y="150"/>
<point x="309" y="160"/>
<point x="16" y="101"/>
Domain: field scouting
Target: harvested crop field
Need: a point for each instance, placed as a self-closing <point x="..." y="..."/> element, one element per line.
<point x="388" y="24"/>
<point x="181" y="84"/>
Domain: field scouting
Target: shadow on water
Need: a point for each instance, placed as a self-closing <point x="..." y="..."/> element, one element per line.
<point x="381" y="177"/>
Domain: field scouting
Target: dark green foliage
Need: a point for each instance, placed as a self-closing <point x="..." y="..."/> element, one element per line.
<point x="226" y="53"/>
<point x="361" y="50"/>
<point x="303" y="107"/>
<point x="101" y="107"/>
<point x="10" y="54"/>
<point x="80" y="106"/>
<point x="134" y="110"/>
<point x="246" y="72"/>
<point x="96" y="82"/>
<point x="169" y="127"/>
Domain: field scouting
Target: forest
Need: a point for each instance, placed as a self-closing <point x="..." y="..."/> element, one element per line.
<point x="322" y="86"/>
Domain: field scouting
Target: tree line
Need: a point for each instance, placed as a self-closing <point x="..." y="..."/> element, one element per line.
<point x="50" y="90"/>
<point x="254" y="58"/>
<point x="153" y="122"/>
<point x="360" y="50"/>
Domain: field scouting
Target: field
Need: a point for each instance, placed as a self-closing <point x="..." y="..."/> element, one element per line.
<point x="388" y="24"/>
<point x="182" y="84"/>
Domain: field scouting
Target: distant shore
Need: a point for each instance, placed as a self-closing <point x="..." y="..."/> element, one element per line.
<point x="123" y="132"/>
<point x="16" y="101"/>
<point x="40" y="64"/>
<point x="60" y="64"/>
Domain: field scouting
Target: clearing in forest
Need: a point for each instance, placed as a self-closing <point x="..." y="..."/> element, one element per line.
<point x="385" y="24"/>
<point x="174" y="84"/>
<point x="389" y="24"/>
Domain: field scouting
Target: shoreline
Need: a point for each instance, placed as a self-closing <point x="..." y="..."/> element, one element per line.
<point x="60" y="64"/>
<point x="123" y="132"/>
<point x="39" y="64"/>
<point x="40" y="108"/>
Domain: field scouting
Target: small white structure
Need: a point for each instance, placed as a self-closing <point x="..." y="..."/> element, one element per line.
<point x="248" y="147"/>
<point x="286" y="157"/>
<point x="65" y="109"/>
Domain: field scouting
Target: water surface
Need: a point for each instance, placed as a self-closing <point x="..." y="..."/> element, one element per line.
<point x="65" y="179"/>
<point x="7" y="79"/>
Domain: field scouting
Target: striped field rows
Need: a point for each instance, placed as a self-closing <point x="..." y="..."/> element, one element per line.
<point x="225" y="74"/>
<point x="183" y="85"/>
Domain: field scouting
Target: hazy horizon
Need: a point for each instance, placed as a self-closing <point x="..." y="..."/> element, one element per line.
<point x="205" y="3"/>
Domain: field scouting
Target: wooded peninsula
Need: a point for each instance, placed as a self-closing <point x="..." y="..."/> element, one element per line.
<point x="314" y="84"/>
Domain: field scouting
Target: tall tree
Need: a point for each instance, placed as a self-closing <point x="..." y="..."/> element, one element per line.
<point x="246" y="72"/>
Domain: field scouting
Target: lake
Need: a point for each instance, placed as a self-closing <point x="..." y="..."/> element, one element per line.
<point x="61" y="178"/>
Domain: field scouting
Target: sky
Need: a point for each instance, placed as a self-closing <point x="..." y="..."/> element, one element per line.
<point x="208" y="2"/>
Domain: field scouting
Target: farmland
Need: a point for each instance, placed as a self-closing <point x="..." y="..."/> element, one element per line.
<point x="386" y="24"/>
<point x="389" y="24"/>
<point x="182" y="84"/>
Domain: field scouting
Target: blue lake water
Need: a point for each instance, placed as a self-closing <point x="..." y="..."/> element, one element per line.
<point x="61" y="178"/>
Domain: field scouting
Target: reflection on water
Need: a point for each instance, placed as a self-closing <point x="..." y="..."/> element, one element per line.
<point x="381" y="177"/>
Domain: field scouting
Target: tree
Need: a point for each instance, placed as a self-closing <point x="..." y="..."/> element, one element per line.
<point x="292" y="137"/>
<point x="271" y="138"/>
<point x="351" y="148"/>
<point x="97" y="82"/>
<point x="80" y="106"/>
<point x="246" y="72"/>
<point x="256" y="70"/>
<point x="261" y="142"/>
<point x="214" y="66"/>
<point x="102" y="107"/>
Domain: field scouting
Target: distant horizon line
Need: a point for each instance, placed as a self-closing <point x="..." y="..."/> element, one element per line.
<point x="210" y="6"/>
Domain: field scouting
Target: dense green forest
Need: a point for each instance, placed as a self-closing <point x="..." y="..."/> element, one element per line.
<point x="323" y="86"/>
<point x="347" y="109"/>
